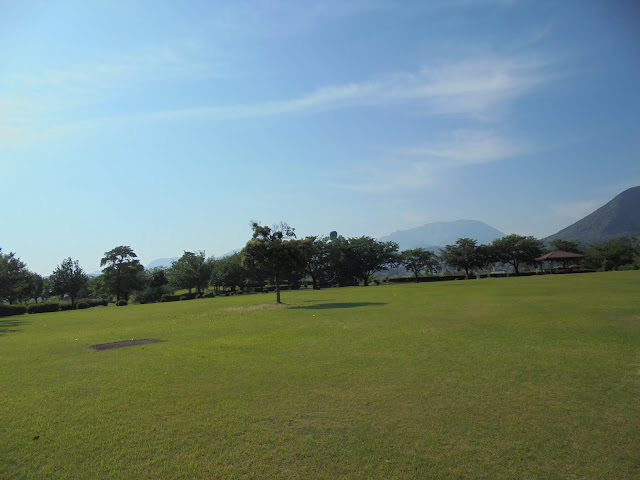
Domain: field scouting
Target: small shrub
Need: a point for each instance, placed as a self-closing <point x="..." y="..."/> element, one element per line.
<point x="43" y="307"/>
<point x="122" y="303"/>
<point x="8" y="310"/>
<point x="607" y="265"/>
<point x="209" y="295"/>
<point x="183" y="297"/>
<point x="82" y="305"/>
<point x="64" y="306"/>
<point x="167" y="297"/>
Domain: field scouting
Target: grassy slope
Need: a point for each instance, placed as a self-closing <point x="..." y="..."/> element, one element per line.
<point x="535" y="377"/>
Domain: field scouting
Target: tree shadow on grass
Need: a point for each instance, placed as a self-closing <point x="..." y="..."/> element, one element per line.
<point x="9" y="324"/>
<point x="325" y="306"/>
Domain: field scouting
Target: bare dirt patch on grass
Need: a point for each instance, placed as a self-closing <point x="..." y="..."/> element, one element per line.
<point x="250" y="308"/>
<point x="124" y="343"/>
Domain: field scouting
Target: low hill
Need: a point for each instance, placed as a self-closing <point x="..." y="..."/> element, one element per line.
<point x="618" y="218"/>
<point x="439" y="234"/>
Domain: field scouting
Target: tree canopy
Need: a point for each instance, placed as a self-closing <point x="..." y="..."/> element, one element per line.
<point x="191" y="271"/>
<point x="121" y="274"/>
<point x="518" y="250"/>
<point x="68" y="279"/>
<point x="275" y="249"/>
<point x="465" y="255"/>
<point x="418" y="260"/>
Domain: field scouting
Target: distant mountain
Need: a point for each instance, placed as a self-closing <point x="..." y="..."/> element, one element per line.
<point x="618" y="218"/>
<point x="161" y="262"/>
<point x="439" y="234"/>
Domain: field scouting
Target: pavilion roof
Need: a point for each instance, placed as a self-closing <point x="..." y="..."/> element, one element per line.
<point x="559" y="255"/>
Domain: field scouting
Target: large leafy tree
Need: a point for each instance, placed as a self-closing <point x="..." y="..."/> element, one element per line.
<point x="121" y="273"/>
<point x="518" y="250"/>
<point x="614" y="254"/>
<point x="15" y="278"/>
<point x="318" y="259"/>
<point x="276" y="250"/>
<point x="567" y="246"/>
<point x="154" y="283"/>
<point x="419" y="260"/>
<point x="229" y="272"/>
<point x="191" y="271"/>
<point x="465" y="255"/>
<point x="37" y="287"/>
<point x="68" y="278"/>
<point x="364" y="255"/>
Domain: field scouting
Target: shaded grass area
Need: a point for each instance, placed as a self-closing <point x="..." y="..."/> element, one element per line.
<point x="534" y="377"/>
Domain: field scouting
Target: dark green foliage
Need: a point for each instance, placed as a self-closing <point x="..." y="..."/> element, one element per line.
<point x="153" y="286"/>
<point x="191" y="271"/>
<point x="64" y="306"/>
<point x="612" y="255"/>
<point x="121" y="274"/>
<point x="228" y="272"/>
<point x="182" y="297"/>
<point x="8" y="310"/>
<point x="464" y="255"/>
<point x="122" y="303"/>
<point x="517" y="250"/>
<point x="318" y="259"/>
<point x="434" y="278"/>
<point x="169" y="297"/>
<point x="419" y="260"/>
<point x="276" y="250"/>
<point x="358" y="258"/>
<point x="68" y="279"/>
<point x="567" y="246"/>
<point x="16" y="282"/>
<point x="82" y="305"/>
<point x="43" y="307"/>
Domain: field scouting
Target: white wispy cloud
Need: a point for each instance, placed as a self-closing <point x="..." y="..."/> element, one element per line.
<point x="468" y="147"/>
<point x="474" y="88"/>
<point x="426" y="165"/>
<point x="469" y="87"/>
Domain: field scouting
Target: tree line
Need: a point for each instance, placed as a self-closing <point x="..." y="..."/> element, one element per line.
<point x="275" y="256"/>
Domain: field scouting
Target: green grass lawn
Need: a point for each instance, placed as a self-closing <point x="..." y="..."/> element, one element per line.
<point x="532" y="377"/>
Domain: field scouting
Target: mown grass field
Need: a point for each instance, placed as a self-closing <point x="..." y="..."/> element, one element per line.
<point x="535" y="377"/>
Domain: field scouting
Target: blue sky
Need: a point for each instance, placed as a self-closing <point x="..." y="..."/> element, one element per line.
<point x="169" y="126"/>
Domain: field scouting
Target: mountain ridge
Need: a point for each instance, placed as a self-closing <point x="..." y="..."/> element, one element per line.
<point x="619" y="217"/>
<point x="438" y="234"/>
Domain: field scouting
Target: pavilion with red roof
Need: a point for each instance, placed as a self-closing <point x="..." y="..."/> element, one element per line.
<point x="559" y="256"/>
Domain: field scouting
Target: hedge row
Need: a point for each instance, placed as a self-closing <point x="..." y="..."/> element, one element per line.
<point x="440" y="278"/>
<point x="168" y="297"/>
<point x="44" y="307"/>
<point x="8" y="310"/>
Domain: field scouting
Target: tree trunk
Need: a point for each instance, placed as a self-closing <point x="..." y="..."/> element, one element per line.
<point x="277" y="289"/>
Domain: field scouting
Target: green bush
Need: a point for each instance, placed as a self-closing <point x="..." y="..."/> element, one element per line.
<point x="122" y="303"/>
<point x="209" y="295"/>
<point x="168" y="297"/>
<point x="64" y="306"/>
<point x="82" y="305"/>
<point x="8" y="310"/>
<point x="608" y="265"/>
<point x="43" y="307"/>
<point x="183" y="297"/>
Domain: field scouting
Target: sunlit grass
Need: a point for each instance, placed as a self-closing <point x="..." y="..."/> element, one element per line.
<point x="535" y="377"/>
